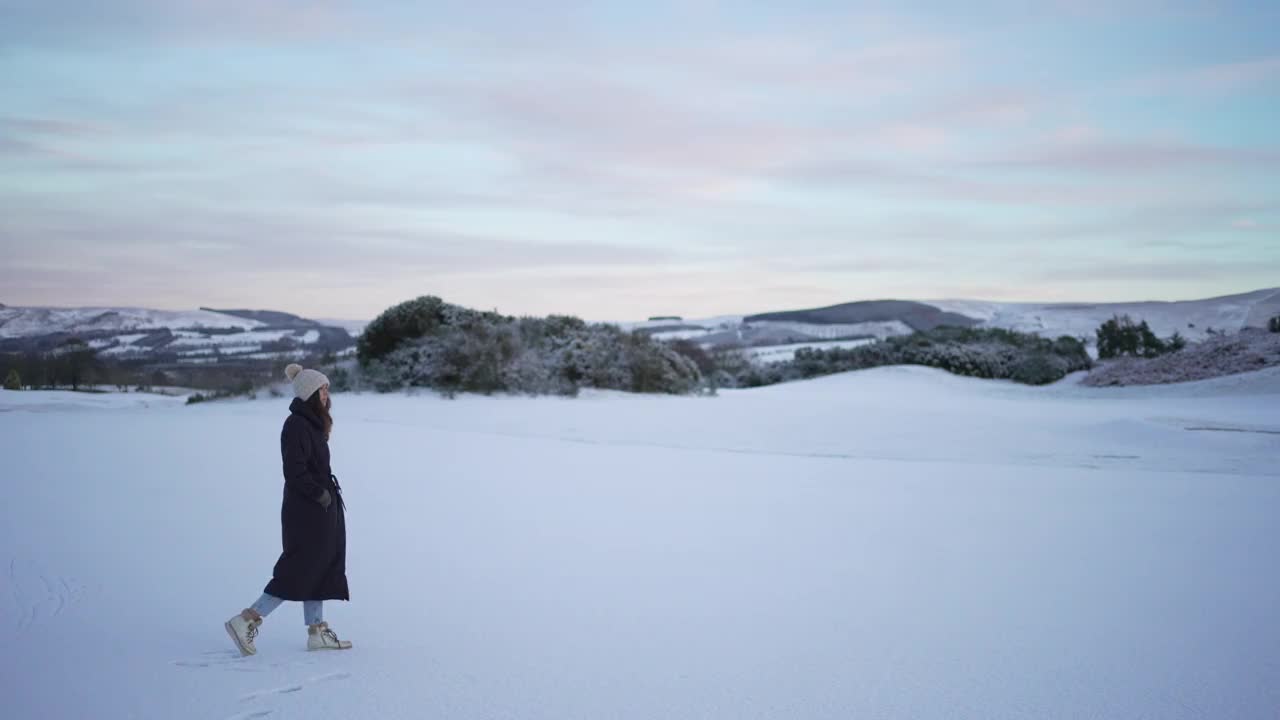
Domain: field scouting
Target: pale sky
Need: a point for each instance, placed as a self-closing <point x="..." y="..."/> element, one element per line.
<point x="621" y="160"/>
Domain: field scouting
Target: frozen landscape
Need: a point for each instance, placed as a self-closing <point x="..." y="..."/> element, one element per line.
<point x="690" y="360"/>
<point x="893" y="543"/>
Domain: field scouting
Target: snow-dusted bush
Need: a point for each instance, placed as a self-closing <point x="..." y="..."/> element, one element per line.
<point x="535" y="373"/>
<point x="1250" y="349"/>
<point x="729" y="366"/>
<point x="984" y="353"/>
<point x="1274" y="324"/>
<point x="595" y="356"/>
<point x="658" y="368"/>
<point x="993" y="353"/>
<point x="411" y="320"/>
<point x="340" y="379"/>
<point x="700" y="356"/>
<point x="13" y="381"/>
<point x="1039" y="369"/>
<point x="429" y="343"/>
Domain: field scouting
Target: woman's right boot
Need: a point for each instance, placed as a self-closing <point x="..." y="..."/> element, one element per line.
<point x="243" y="628"/>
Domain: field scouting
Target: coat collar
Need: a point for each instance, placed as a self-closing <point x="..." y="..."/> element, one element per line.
<point x="300" y="407"/>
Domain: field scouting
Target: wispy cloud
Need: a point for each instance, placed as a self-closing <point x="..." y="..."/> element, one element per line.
<point x="1139" y="156"/>
<point x="1260" y="74"/>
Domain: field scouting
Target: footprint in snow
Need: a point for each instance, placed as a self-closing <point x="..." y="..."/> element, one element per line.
<point x="251" y="714"/>
<point x="296" y="687"/>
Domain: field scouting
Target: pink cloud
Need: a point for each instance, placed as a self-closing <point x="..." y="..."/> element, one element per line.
<point x="912" y="138"/>
<point x="1076" y="134"/>
<point x="791" y="64"/>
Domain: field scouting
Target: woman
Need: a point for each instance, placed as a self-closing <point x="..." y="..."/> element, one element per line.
<point x="313" y="566"/>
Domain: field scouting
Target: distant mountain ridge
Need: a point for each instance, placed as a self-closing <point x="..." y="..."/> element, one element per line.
<point x="915" y="315"/>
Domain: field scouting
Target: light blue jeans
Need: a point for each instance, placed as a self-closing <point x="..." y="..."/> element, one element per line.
<point x="312" y="610"/>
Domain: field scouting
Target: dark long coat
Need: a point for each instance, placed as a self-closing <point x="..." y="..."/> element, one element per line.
<point x="313" y="565"/>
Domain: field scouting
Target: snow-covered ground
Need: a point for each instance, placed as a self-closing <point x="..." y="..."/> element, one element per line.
<point x="57" y="401"/>
<point x="894" y="543"/>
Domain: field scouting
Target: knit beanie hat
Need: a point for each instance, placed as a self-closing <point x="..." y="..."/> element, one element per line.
<point x="305" y="382"/>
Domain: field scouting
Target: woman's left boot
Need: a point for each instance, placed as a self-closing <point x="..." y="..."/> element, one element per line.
<point x="320" y="637"/>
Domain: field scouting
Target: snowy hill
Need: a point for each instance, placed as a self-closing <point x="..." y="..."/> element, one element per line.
<point x="879" y="319"/>
<point x="895" y="543"/>
<point x="31" y="321"/>
<point x="197" y="336"/>
<point x="1192" y="318"/>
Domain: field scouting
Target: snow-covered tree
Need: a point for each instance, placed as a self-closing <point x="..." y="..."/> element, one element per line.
<point x="1122" y="337"/>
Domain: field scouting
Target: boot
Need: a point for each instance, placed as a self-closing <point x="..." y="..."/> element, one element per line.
<point x="320" y="637"/>
<point x="243" y="629"/>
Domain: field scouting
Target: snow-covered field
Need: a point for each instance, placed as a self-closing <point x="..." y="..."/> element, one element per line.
<point x="187" y="339"/>
<point x="879" y="330"/>
<point x="894" y="543"/>
<point x="783" y="353"/>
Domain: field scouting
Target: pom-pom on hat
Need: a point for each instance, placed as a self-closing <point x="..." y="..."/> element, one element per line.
<point x="305" y="382"/>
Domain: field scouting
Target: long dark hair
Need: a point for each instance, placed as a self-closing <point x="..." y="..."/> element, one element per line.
<point x="321" y="409"/>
